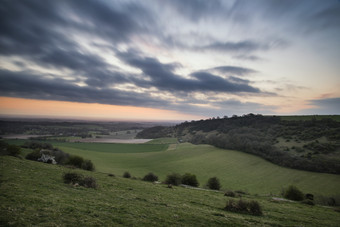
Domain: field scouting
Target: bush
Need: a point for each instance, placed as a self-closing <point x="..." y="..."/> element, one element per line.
<point x="89" y="182"/>
<point x="87" y="165"/>
<point x="72" y="178"/>
<point x="173" y="179"/>
<point x="214" y="183"/>
<point x="230" y="194"/>
<point x="293" y="193"/>
<point x="34" y="155"/>
<point x="13" y="150"/>
<point x="308" y="202"/>
<point x="150" y="177"/>
<point x="190" y="179"/>
<point x="76" y="161"/>
<point x="76" y="178"/>
<point x="127" y="175"/>
<point x="241" y="206"/>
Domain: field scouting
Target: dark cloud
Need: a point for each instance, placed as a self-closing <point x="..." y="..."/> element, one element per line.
<point x="162" y="76"/>
<point x="35" y="86"/>
<point x="247" y="57"/>
<point x="196" y="9"/>
<point x="324" y="106"/>
<point x="233" y="70"/>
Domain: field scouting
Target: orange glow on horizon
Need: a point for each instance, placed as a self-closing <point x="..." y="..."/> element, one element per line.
<point x="64" y="109"/>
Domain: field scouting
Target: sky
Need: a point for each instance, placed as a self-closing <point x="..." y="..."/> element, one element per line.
<point x="169" y="59"/>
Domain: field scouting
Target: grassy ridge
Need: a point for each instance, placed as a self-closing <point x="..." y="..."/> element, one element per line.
<point x="33" y="193"/>
<point x="236" y="170"/>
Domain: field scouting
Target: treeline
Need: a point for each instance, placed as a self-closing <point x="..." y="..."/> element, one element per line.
<point x="257" y="134"/>
<point x="65" y="128"/>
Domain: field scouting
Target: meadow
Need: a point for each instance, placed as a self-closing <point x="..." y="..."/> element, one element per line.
<point x="236" y="170"/>
<point x="34" y="194"/>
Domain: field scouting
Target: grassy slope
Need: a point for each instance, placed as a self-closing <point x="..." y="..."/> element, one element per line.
<point x="33" y="193"/>
<point x="236" y="170"/>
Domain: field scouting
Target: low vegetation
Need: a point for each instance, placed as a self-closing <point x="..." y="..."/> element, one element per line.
<point x="243" y="206"/>
<point x="150" y="177"/>
<point x="78" y="179"/>
<point x="190" y="179"/>
<point x="214" y="183"/>
<point x="173" y="179"/>
<point x="127" y="175"/>
<point x="9" y="149"/>
<point x="293" y="193"/>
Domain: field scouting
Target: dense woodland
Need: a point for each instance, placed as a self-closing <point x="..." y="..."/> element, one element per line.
<point x="312" y="144"/>
<point x="66" y="128"/>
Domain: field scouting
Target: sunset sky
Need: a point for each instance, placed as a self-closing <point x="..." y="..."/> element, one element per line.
<point x="169" y="59"/>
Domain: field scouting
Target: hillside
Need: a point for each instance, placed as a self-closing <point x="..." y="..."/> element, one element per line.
<point x="311" y="144"/>
<point x="236" y="170"/>
<point x="33" y="193"/>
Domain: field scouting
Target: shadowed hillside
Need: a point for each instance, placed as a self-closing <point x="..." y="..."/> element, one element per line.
<point x="308" y="144"/>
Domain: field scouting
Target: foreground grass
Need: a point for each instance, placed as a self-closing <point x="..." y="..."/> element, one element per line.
<point x="236" y="170"/>
<point x="33" y="193"/>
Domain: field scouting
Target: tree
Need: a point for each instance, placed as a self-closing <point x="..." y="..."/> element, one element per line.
<point x="190" y="179"/>
<point x="214" y="183"/>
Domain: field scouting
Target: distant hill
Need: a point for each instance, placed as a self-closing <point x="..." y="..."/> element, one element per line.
<point x="309" y="143"/>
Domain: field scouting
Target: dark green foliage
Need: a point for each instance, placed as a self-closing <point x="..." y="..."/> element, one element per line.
<point x="76" y="161"/>
<point x="127" y="175"/>
<point x="89" y="182"/>
<point x="308" y="202"/>
<point x="111" y="175"/>
<point x="190" y="179"/>
<point x="293" y="193"/>
<point x="88" y="165"/>
<point x="173" y="179"/>
<point x="76" y="178"/>
<point x="214" y="183"/>
<point x="37" y="145"/>
<point x="13" y="150"/>
<point x="150" y="177"/>
<point x="230" y="194"/>
<point x="34" y="155"/>
<point x="242" y="206"/>
<point x="7" y="149"/>
<point x="72" y="178"/>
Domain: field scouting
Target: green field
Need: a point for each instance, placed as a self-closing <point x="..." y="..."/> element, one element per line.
<point x="236" y="170"/>
<point x="33" y="194"/>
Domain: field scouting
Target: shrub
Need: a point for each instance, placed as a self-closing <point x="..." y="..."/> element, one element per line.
<point x="173" y="179"/>
<point x="190" y="179"/>
<point x="72" y="178"/>
<point x="76" y="161"/>
<point x="13" y="150"/>
<point x="308" y="202"/>
<point x="127" y="175"/>
<point x="230" y="194"/>
<point x="87" y="165"/>
<point x="76" y="178"/>
<point x="293" y="193"/>
<point x="214" y="183"/>
<point x="34" y="155"/>
<point x="88" y="182"/>
<point x="150" y="177"/>
<point x="241" y="206"/>
<point x="111" y="175"/>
